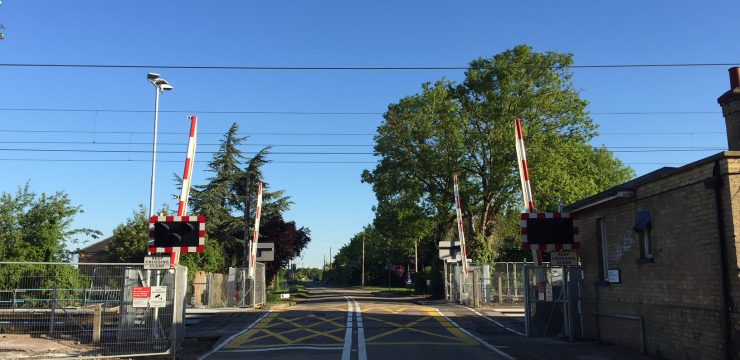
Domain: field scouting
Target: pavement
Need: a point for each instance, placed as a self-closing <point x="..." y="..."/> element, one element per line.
<point x="348" y="324"/>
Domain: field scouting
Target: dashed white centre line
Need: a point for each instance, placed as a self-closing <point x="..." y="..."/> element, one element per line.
<point x="361" y="347"/>
<point x="347" y="349"/>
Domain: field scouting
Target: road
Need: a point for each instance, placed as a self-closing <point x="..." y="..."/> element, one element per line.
<point x="352" y="324"/>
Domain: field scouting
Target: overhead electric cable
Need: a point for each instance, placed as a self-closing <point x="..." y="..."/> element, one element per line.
<point x="692" y="149"/>
<point x="271" y="162"/>
<point x="345" y="68"/>
<point x="184" y="133"/>
<point x="273" y="112"/>
<point x="317" y="133"/>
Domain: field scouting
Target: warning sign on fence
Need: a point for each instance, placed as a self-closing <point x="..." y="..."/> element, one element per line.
<point x="140" y="296"/>
<point x="158" y="296"/>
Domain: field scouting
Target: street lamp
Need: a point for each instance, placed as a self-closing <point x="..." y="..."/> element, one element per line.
<point x="160" y="86"/>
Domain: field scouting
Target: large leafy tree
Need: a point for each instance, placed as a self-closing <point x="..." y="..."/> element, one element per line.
<point x="38" y="227"/>
<point x="468" y="129"/>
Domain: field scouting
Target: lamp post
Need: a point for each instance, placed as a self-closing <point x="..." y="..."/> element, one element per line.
<point x="160" y="86"/>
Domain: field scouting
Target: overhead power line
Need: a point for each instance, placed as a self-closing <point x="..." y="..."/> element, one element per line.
<point x="342" y="68"/>
<point x="144" y="143"/>
<point x="184" y="133"/>
<point x="272" y="112"/>
<point x="176" y="144"/>
<point x="271" y="162"/>
<point x="129" y="151"/>
<point x="312" y="133"/>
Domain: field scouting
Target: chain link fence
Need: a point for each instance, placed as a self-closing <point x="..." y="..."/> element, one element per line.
<point x="90" y="310"/>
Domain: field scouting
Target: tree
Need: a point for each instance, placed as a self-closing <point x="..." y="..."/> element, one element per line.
<point x="38" y="228"/>
<point x="288" y="239"/>
<point x="221" y="200"/>
<point x="468" y="129"/>
<point x="130" y="240"/>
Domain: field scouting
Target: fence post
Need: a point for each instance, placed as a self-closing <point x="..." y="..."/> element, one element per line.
<point x="97" y="323"/>
<point x="476" y="289"/>
<point x="500" y="290"/>
<point x="52" y="315"/>
<point x="15" y="297"/>
<point x="527" y="330"/>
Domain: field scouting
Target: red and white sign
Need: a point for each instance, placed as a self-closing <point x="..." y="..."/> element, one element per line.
<point x="140" y="296"/>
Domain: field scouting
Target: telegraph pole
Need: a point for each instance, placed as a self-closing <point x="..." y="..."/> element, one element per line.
<point x="363" y="261"/>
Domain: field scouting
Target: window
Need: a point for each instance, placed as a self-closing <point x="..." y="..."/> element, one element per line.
<point x="643" y="225"/>
<point x="602" y="249"/>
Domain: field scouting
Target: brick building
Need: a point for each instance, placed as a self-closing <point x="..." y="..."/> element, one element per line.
<point x="96" y="252"/>
<point x="670" y="242"/>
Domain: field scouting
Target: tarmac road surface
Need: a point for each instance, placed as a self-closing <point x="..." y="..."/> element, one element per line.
<point x="352" y="324"/>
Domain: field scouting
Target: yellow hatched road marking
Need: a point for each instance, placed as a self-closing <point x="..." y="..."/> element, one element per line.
<point x="270" y="322"/>
<point x="455" y="332"/>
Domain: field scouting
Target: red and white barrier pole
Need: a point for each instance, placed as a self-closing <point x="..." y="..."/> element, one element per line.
<point x="258" y="213"/>
<point x="521" y="155"/>
<point x="188" y="171"/>
<point x="460" y="228"/>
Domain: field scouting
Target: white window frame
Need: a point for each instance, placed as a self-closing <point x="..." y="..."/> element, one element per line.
<point x="646" y="243"/>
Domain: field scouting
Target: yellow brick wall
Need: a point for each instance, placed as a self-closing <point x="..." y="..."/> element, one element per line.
<point x="679" y="293"/>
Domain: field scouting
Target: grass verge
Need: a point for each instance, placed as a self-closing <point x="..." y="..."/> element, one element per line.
<point x="397" y="291"/>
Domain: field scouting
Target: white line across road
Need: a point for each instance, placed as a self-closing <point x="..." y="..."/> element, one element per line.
<point x="232" y="337"/>
<point x="361" y="347"/>
<point x="491" y="320"/>
<point x="347" y="350"/>
<point x="282" y="348"/>
<point x="481" y="341"/>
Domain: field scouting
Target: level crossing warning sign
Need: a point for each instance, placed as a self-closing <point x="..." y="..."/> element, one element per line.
<point x="140" y="296"/>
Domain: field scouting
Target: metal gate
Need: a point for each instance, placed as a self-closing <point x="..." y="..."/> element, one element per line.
<point x="245" y="291"/>
<point x="85" y="310"/>
<point x="552" y="301"/>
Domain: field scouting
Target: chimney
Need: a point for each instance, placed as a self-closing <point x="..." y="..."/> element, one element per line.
<point x="730" y="102"/>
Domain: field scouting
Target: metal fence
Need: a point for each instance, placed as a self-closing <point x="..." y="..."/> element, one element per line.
<point x="208" y="290"/>
<point x="501" y="284"/>
<point x="90" y="310"/>
<point x="233" y="289"/>
<point x="553" y="301"/>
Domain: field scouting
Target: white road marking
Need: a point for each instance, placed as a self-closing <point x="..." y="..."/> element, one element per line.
<point x="282" y="348"/>
<point x="232" y="337"/>
<point x="481" y="341"/>
<point x="347" y="349"/>
<point x="361" y="347"/>
<point x="492" y="320"/>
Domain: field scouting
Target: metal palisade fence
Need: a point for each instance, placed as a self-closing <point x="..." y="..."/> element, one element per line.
<point x="84" y="310"/>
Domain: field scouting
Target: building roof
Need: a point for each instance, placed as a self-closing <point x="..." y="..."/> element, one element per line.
<point x="97" y="246"/>
<point x="632" y="185"/>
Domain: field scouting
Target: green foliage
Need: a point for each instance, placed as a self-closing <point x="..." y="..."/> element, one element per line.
<point x="288" y="239"/>
<point x="221" y="200"/>
<point x="468" y="129"/>
<point x="38" y="228"/>
<point x="130" y="240"/>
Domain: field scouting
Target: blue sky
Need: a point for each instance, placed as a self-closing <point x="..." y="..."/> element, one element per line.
<point x="329" y="198"/>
